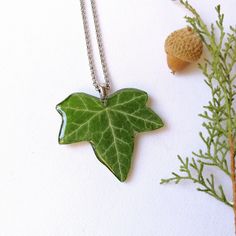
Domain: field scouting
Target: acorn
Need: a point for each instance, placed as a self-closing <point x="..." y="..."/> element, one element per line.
<point x="183" y="47"/>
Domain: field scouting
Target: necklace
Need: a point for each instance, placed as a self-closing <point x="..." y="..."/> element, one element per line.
<point x="103" y="88"/>
<point x="110" y="122"/>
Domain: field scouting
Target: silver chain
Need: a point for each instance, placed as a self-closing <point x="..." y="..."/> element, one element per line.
<point x="102" y="88"/>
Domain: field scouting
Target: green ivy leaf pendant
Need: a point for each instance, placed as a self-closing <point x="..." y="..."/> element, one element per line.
<point x="110" y="128"/>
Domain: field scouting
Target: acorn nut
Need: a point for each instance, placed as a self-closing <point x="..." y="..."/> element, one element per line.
<point x="183" y="47"/>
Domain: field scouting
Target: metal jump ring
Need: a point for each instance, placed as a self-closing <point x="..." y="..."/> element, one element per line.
<point x="103" y="91"/>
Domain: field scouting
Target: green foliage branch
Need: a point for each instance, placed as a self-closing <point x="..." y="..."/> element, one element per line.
<point x="219" y="119"/>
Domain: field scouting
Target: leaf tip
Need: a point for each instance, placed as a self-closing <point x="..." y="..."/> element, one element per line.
<point x="161" y="124"/>
<point x="122" y="178"/>
<point x="61" y="141"/>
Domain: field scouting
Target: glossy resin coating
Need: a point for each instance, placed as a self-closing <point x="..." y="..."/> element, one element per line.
<point x="110" y="129"/>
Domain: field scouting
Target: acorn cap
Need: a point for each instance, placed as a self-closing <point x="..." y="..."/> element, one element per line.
<point x="184" y="44"/>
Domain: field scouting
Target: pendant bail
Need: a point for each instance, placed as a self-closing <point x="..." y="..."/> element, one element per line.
<point x="103" y="91"/>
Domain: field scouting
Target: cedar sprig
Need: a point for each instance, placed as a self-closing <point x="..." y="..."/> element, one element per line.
<point x="219" y="119"/>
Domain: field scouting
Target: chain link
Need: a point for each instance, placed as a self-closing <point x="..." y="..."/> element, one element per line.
<point x="102" y="88"/>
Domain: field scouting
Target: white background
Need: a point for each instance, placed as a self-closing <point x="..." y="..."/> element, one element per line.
<point x="52" y="190"/>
